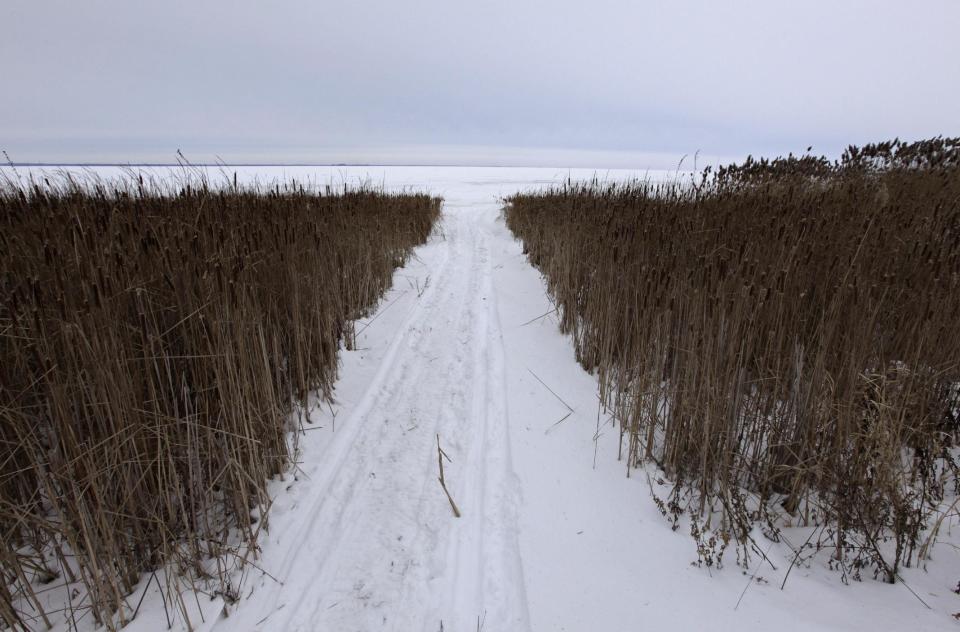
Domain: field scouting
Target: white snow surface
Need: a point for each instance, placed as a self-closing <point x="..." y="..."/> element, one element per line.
<point x="552" y="537"/>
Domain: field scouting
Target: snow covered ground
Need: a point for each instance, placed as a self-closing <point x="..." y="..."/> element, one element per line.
<point x="552" y="536"/>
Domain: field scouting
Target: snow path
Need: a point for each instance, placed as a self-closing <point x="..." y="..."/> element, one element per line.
<point x="375" y="544"/>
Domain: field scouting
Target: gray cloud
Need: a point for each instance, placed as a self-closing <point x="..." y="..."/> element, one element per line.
<point x="373" y="80"/>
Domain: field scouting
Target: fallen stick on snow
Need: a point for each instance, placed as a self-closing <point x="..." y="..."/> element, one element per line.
<point x="440" y="455"/>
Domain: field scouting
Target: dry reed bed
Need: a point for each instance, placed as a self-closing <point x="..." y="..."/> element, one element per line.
<point x="154" y="341"/>
<point x="782" y="338"/>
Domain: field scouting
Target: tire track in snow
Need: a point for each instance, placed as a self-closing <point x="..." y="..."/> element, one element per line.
<point x="487" y="588"/>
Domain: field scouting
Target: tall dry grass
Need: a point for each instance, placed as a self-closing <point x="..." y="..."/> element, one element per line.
<point x="781" y="337"/>
<point x="154" y="341"/>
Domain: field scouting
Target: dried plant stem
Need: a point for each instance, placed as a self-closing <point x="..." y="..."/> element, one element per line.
<point x="441" y="455"/>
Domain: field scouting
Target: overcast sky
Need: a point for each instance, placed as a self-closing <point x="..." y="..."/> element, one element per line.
<point x="558" y="82"/>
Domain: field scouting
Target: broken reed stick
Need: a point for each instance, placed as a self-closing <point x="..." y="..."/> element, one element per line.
<point x="440" y="455"/>
<point x="560" y="399"/>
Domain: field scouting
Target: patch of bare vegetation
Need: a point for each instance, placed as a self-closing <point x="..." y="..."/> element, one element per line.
<point x="780" y="337"/>
<point x="154" y="341"/>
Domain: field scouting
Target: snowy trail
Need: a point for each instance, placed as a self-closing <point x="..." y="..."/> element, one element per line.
<point x="375" y="544"/>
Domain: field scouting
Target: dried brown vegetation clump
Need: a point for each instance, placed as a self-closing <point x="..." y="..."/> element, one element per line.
<point x="154" y="341"/>
<point x="781" y="337"/>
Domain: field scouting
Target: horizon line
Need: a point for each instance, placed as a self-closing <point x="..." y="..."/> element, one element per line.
<point x="318" y="164"/>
